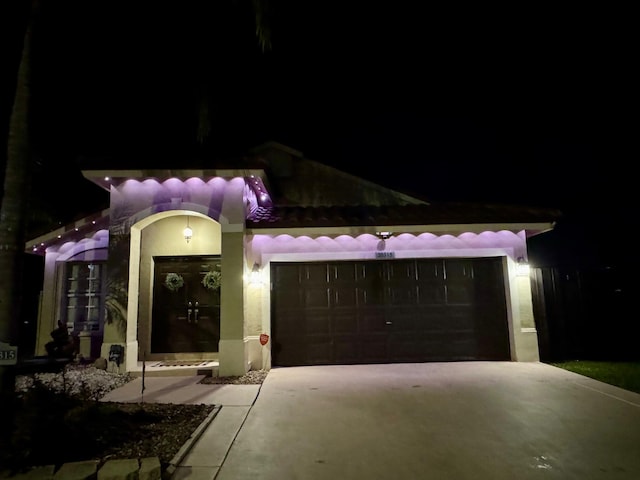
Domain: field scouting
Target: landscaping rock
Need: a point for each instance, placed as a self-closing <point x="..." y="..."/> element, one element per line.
<point x="150" y="469"/>
<point x="100" y="363"/>
<point x="77" y="471"/>
<point x="126" y="469"/>
<point x="37" y="473"/>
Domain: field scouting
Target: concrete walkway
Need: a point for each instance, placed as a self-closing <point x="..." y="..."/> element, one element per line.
<point x="459" y="420"/>
<point x="183" y="390"/>
<point x="204" y="458"/>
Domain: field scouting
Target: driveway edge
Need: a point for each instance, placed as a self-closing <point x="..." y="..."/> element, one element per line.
<point x="186" y="447"/>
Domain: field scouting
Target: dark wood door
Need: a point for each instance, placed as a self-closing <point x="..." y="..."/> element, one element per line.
<point x="384" y="311"/>
<point x="186" y="314"/>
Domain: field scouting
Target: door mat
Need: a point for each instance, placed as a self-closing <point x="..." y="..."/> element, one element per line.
<point x="183" y="363"/>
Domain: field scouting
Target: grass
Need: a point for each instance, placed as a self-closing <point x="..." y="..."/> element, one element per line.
<point x="621" y="374"/>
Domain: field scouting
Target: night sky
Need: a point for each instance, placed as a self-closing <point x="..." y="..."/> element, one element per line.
<point x="525" y="105"/>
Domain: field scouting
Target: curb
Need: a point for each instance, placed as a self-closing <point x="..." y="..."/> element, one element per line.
<point x="186" y="447"/>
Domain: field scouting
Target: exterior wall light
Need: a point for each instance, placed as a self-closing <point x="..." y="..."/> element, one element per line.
<point x="522" y="267"/>
<point x="187" y="232"/>
<point x="254" y="277"/>
<point x="384" y="235"/>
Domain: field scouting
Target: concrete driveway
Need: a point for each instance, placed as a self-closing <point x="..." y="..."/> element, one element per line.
<point x="460" y="420"/>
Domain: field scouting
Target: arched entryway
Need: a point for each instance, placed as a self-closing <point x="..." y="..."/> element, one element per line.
<point x="166" y="274"/>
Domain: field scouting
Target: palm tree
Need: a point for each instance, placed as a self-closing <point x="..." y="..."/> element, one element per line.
<point x="14" y="207"/>
<point x="261" y="12"/>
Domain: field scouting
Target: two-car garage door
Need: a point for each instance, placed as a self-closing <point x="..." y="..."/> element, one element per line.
<point x="384" y="311"/>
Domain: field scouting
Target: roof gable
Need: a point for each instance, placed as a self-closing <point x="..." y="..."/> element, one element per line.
<point x="295" y="180"/>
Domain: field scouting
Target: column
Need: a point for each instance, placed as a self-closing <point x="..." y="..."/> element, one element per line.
<point x="232" y="348"/>
<point x="117" y="296"/>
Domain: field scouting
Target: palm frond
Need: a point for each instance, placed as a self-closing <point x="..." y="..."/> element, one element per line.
<point x="263" y="27"/>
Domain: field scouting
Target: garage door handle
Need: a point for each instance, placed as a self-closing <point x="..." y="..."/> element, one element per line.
<point x="389" y="323"/>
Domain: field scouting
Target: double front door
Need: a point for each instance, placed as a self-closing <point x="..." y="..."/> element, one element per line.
<point x="186" y="307"/>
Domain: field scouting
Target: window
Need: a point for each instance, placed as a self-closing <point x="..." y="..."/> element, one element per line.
<point x="85" y="287"/>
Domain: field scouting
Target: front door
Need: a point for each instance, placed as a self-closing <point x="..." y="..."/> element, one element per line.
<point x="186" y="305"/>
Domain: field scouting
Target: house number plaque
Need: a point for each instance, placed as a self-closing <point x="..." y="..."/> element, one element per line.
<point x="8" y="354"/>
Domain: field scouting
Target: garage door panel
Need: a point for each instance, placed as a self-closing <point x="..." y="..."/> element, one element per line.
<point x="460" y="293"/>
<point x="288" y="298"/>
<point x="429" y="293"/>
<point x="402" y="294"/>
<point x="319" y="351"/>
<point x="407" y="348"/>
<point x="342" y="273"/>
<point x="314" y="273"/>
<point x="370" y="296"/>
<point x="287" y="274"/>
<point x="433" y="318"/>
<point x="289" y="351"/>
<point x="493" y="342"/>
<point x="344" y="297"/>
<point x="460" y="317"/>
<point x="430" y="270"/>
<point x="404" y="319"/>
<point x="373" y="349"/>
<point x="316" y="297"/>
<point x="346" y="323"/>
<point x="450" y="346"/>
<point x="458" y="269"/>
<point x="290" y="323"/>
<point x="485" y="270"/>
<point x="369" y="283"/>
<point x="346" y="349"/>
<point x="489" y="317"/>
<point x="462" y="349"/>
<point x="400" y="324"/>
<point x="371" y="273"/>
<point x="317" y="323"/>
<point x="373" y="321"/>
<point x="399" y="270"/>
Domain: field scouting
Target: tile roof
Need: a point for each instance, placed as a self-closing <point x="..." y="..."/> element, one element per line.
<point x="432" y="214"/>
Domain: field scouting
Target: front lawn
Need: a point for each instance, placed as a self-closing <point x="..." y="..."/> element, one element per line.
<point x="621" y="374"/>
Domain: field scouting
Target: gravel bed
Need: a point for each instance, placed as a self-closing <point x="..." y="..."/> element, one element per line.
<point x="78" y="381"/>
<point x="90" y="383"/>
<point x="252" y="377"/>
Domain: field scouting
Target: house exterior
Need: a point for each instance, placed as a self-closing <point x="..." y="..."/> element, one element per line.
<point x="278" y="260"/>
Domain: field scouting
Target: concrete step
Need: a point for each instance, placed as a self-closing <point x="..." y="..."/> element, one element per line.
<point x="207" y="368"/>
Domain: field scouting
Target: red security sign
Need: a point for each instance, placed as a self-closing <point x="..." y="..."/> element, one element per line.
<point x="264" y="338"/>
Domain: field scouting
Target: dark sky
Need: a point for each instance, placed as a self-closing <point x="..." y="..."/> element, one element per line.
<point x="526" y="104"/>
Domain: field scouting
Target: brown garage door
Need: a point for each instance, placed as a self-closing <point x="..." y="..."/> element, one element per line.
<point x="386" y="311"/>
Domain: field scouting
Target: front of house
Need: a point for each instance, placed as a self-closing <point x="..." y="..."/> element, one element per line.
<point x="285" y="262"/>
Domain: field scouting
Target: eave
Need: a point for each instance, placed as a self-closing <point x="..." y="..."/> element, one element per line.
<point x="108" y="178"/>
<point x="72" y="232"/>
<point x="531" y="229"/>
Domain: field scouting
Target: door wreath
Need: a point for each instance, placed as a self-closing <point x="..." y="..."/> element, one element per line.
<point x="173" y="282"/>
<point x="212" y="280"/>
